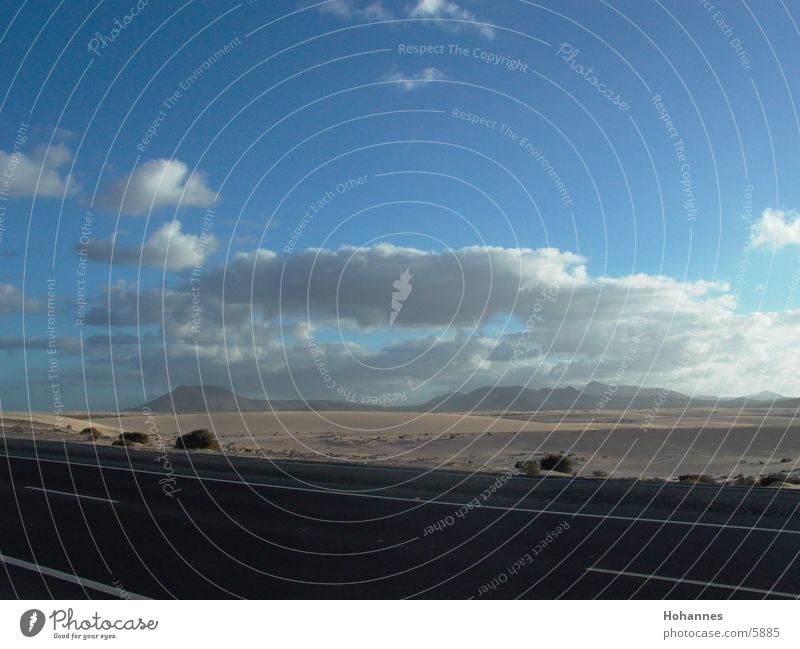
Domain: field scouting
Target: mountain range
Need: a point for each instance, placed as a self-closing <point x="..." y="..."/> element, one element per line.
<point x="592" y="396"/>
<point x="212" y="398"/>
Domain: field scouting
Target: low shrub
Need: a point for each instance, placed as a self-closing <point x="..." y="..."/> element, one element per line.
<point x="529" y="467"/>
<point x="93" y="433"/>
<point x="742" y="481"/>
<point x="198" y="439"/>
<point x="771" y="479"/>
<point x="556" y="462"/>
<point x="137" y="438"/>
<point x="122" y="442"/>
<point x="599" y="473"/>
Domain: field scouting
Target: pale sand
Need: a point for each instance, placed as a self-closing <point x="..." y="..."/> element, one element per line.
<point x="721" y="442"/>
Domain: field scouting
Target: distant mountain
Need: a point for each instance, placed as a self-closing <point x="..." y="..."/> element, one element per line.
<point x="197" y="398"/>
<point x="212" y="398"/>
<point x="765" y="395"/>
<point x="519" y="398"/>
<point x="502" y="398"/>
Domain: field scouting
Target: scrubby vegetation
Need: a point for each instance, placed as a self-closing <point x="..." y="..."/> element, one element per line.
<point x="773" y="479"/>
<point x="599" y="473"/>
<point x="697" y="478"/>
<point x="122" y="442"/>
<point x="556" y="462"/>
<point x="742" y="480"/>
<point x="198" y="439"/>
<point x="768" y="480"/>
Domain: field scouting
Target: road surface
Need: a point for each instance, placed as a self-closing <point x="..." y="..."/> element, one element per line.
<point x="94" y="522"/>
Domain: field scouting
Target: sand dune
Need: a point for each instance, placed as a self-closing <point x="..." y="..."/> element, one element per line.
<point x="71" y="425"/>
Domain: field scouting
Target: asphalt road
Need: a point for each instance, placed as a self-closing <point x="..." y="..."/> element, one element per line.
<point x="81" y="521"/>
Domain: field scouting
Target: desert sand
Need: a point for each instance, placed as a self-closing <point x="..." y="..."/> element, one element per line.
<point x="720" y="442"/>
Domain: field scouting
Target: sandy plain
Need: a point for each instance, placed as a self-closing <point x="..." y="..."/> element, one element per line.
<point x="721" y="442"/>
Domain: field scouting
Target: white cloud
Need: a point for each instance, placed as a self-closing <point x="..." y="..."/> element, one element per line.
<point x="12" y="301"/>
<point x="41" y="173"/>
<point x="776" y="229"/>
<point x="158" y="183"/>
<point x="349" y="10"/>
<point x="168" y="247"/>
<point x="408" y="82"/>
<point x="444" y="14"/>
<point x="444" y="10"/>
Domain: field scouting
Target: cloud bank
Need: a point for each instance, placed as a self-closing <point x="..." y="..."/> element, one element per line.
<point x="169" y="248"/>
<point x="475" y="316"/>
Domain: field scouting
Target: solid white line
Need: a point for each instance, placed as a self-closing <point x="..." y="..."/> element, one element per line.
<point x="58" y="574"/>
<point x="417" y="501"/>
<point x="68" y="493"/>
<point x="693" y="582"/>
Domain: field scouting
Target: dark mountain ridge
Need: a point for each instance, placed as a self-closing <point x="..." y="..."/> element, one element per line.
<point x="213" y="398"/>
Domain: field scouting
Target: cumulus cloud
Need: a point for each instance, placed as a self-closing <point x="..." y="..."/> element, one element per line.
<point x="40" y="174"/>
<point x="169" y="247"/>
<point x="408" y="82"/>
<point x="776" y="229"/>
<point x="445" y="10"/>
<point x="12" y="300"/>
<point x="158" y="183"/>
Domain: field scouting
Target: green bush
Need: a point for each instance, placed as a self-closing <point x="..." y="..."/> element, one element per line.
<point x="556" y="462"/>
<point x="529" y="467"/>
<point x="138" y="438"/>
<point x="198" y="439"/>
<point x="122" y="442"/>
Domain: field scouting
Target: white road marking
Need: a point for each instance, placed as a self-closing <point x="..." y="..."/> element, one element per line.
<point x="58" y="574"/>
<point x="416" y="500"/>
<point x="69" y="493"/>
<point x="693" y="582"/>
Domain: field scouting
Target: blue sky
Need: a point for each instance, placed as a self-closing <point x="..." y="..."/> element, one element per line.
<point x="257" y="110"/>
